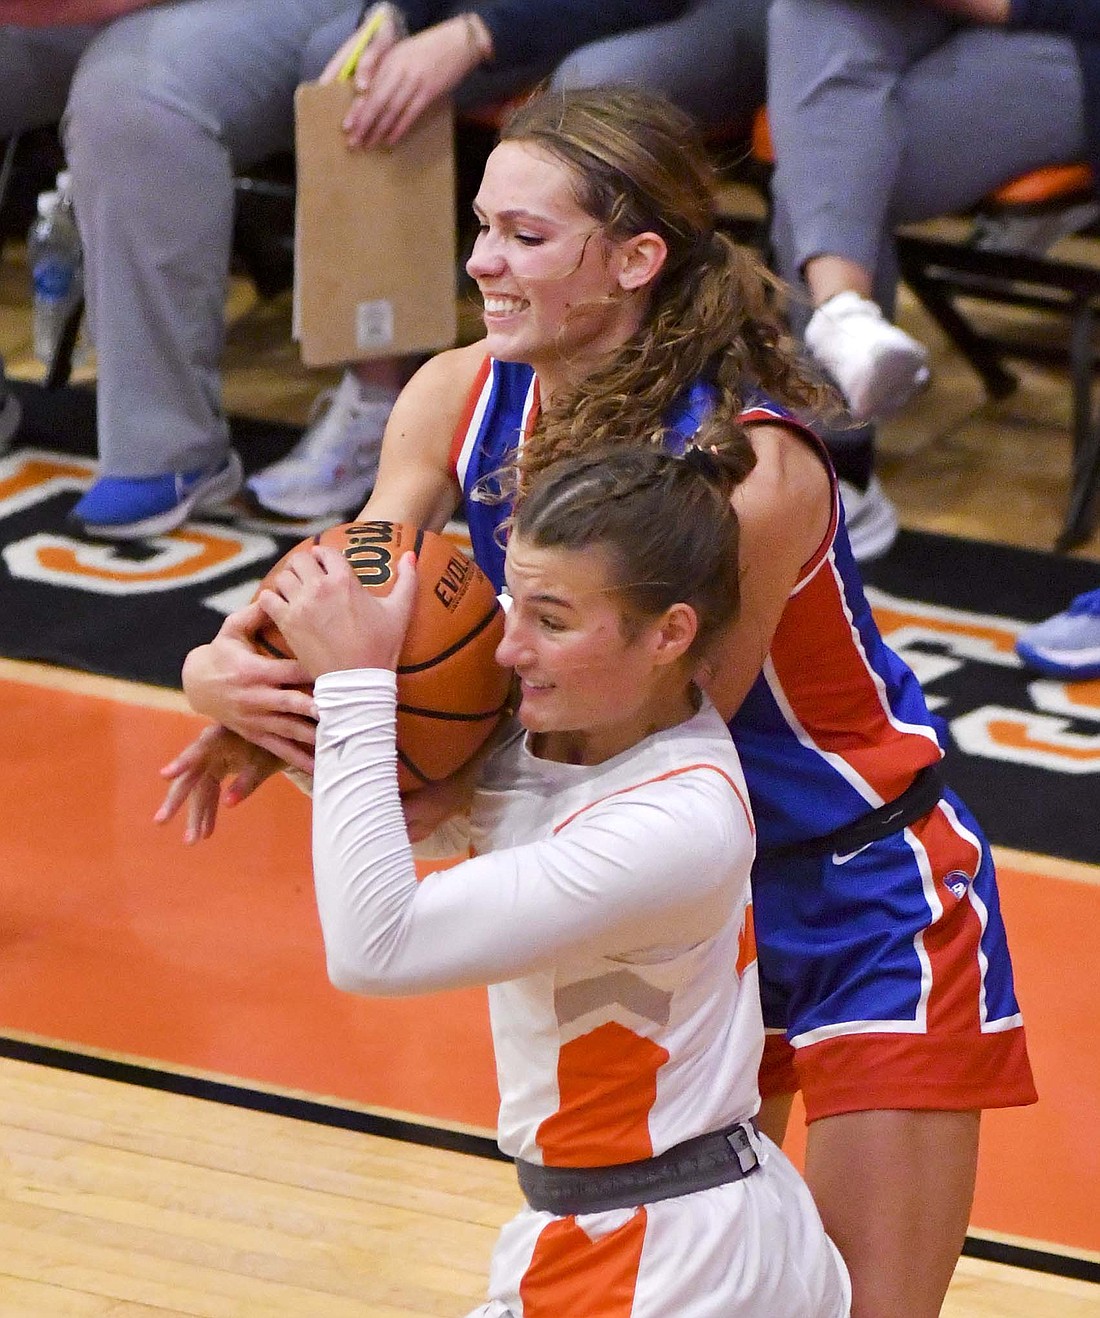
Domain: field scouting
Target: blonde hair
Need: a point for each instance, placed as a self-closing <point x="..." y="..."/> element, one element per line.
<point x="638" y="165"/>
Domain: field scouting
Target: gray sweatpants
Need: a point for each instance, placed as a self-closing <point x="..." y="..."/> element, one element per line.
<point x="710" y="60"/>
<point x="883" y="112"/>
<point x="161" y="107"/>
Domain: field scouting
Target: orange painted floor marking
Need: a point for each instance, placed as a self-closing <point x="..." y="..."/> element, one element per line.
<point x="118" y="939"/>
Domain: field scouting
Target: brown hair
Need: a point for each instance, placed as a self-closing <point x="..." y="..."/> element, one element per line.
<point x="638" y="166"/>
<point x="666" y="523"/>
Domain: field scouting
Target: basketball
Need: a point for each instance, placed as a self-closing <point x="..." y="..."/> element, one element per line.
<point x="450" y="689"/>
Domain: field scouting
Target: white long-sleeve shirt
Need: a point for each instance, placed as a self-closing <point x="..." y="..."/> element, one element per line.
<point x="607" y="908"/>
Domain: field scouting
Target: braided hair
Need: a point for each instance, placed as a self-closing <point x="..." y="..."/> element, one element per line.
<point x="665" y="522"/>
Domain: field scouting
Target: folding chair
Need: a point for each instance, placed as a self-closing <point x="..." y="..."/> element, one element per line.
<point x="945" y="274"/>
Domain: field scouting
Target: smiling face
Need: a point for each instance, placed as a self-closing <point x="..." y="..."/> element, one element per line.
<point x="557" y="292"/>
<point x="593" y="681"/>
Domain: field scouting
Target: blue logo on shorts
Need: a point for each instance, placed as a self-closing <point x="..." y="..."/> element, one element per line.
<point x="957" y="882"/>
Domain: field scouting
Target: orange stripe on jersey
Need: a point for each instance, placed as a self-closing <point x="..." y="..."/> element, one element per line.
<point x="746" y="942"/>
<point x="660" y="778"/>
<point x="573" y="1276"/>
<point x="943" y="1072"/>
<point x="607" y="1086"/>
<point x="839" y="690"/>
<point x="952" y="942"/>
<point x="465" y="420"/>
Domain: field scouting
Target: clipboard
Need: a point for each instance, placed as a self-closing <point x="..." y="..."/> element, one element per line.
<point x="375" y="270"/>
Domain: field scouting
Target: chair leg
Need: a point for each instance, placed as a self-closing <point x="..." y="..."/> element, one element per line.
<point x="998" y="381"/>
<point x="1081" y="515"/>
<point x="61" y="363"/>
<point x="1085" y="480"/>
<point x="6" y="167"/>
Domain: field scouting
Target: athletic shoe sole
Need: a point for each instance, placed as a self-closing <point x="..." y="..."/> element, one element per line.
<point x="251" y="515"/>
<point x="872" y="521"/>
<point x="1060" y="669"/>
<point x="899" y="376"/>
<point x="273" y="524"/>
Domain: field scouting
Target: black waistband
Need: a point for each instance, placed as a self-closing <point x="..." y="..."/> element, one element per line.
<point x="696" y="1164"/>
<point x="914" y="803"/>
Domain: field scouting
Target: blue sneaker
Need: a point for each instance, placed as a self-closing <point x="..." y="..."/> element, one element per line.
<point x="1066" y="646"/>
<point x="130" y="507"/>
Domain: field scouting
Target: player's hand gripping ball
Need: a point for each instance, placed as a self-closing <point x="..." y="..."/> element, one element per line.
<point x="450" y="689"/>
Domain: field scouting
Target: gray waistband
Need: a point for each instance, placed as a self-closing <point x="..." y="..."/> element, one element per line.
<point x="696" y="1164"/>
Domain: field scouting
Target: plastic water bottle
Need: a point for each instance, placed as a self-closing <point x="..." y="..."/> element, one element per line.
<point x="57" y="267"/>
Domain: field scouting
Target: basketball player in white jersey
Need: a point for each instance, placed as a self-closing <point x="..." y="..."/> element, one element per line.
<point x="606" y="901"/>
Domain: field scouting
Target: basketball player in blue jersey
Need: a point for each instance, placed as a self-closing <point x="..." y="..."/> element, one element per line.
<point x="614" y="312"/>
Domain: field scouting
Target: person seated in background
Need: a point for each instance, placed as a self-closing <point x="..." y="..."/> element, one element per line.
<point x="606" y="902"/>
<point x="206" y="88"/>
<point x="706" y="55"/>
<point x="885" y="114"/>
<point x="161" y="104"/>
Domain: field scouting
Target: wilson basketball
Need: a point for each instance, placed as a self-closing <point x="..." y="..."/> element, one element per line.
<point x="450" y="689"/>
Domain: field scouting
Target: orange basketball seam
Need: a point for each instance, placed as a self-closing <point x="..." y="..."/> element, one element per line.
<point x="404" y="670"/>
<point x="403" y="759"/>
<point x="449" y="715"/>
<point x="265" y="643"/>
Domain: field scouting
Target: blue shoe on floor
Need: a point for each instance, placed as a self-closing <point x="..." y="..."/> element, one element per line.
<point x="1066" y="646"/>
<point x="130" y="507"/>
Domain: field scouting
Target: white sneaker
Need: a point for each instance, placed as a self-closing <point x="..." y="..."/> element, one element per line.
<point x="330" y="471"/>
<point x="871" y="519"/>
<point x="876" y="366"/>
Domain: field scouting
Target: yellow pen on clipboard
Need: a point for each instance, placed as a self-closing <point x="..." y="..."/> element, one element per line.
<point x="369" y="32"/>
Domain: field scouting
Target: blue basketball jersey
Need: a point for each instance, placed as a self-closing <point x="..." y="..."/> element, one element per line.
<point x="835" y="726"/>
